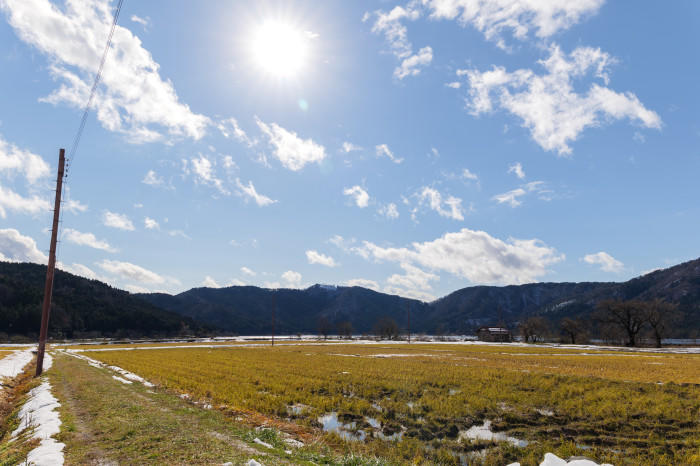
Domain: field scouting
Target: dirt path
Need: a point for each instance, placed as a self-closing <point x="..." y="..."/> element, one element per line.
<point x="108" y="422"/>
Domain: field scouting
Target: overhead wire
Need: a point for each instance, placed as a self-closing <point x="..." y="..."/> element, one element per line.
<point x="83" y="120"/>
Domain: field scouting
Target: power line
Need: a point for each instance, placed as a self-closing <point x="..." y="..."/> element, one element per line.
<point x="83" y="120"/>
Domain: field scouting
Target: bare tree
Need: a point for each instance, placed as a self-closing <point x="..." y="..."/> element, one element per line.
<point x="386" y="328"/>
<point x="628" y="316"/>
<point x="345" y="329"/>
<point x="661" y="317"/>
<point x="534" y="329"/>
<point x="573" y="329"/>
<point x="324" y="327"/>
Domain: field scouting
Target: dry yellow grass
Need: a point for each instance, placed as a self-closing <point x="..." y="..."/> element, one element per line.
<point x="611" y="400"/>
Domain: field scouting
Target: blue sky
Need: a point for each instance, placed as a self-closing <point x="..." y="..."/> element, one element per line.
<point x="412" y="147"/>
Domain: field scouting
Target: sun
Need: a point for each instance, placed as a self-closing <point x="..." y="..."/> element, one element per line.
<point x="279" y="49"/>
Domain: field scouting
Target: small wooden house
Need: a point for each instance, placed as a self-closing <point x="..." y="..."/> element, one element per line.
<point x="497" y="334"/>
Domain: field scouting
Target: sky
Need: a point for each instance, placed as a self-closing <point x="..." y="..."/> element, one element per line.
<point x="412" y="147"/>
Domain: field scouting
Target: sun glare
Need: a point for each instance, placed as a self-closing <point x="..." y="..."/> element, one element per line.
<point x="279" y="49"/>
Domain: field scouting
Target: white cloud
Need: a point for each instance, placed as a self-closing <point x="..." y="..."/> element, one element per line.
<point x="13" y="159"/>
<point x="382" y="150"/>
<point x="363" y="282"/>
<point x="136" y="289"/>
<point x="133" y="98"/>
<point x="474" y="255"/>
<point x="359" y="195"/>
<point x="548" y="104"/>
<point x="606" y="262"/>
<point x="396" y="34"/>
<point x="130" y="271"/>
<point x="145" y="22"/>
<point x="467" y="175"/>
<point x="10" y="200"/>
<point x="203" y="170"/>
<point x="230" y="129"/>
<point x="491" y="18"/>
<point x="413" y="278"/>
<point x="291" y="150"/>
<point x="292" y="278"/>
<point x="517" y="168"/>
<point x="179" y="233"/>
<point x="409" y="293"/>
<point x="86" y="239"/>
<point x="450" y="207"/>
<point x="210" y="282"/>
<point x="248" y="271"/>
<point x="519" y="17"/>
<point x="75" y="206"/>
<point x="411" y="66"/>
<point x="152" y="179"/>
<point x="389" y="211"/>
<point x="348" y="147"/>
<point x="151" y="224"/>
<point x="15" y="247"/>
<point x="249" y="192"/>
<point x="454" y="84"/>
<point x="115" y="220"/>
<point x="80" y="270"/>
<point x="512" y="197"/>
<point x="315" y="257"/>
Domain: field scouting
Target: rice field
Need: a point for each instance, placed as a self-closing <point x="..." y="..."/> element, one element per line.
<point x="444" y="403"/>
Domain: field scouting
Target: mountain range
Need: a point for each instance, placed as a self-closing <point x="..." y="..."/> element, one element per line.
<point x="83" y="305"/>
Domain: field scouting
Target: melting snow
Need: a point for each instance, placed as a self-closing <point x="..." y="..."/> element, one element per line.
<point x="115" y="377"/>
<point x="129" y="376"/>
<point x="39" y="414"/>
<point x="264" y="444"/>
<point x="484" y="432"/>
<point x="550" y="459"/>
<point x="11" y="366"/>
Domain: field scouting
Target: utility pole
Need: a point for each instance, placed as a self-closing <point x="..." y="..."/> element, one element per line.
<point x="48" y="287"/>
<point x="408" y="314"/>
<point x="274" y="306"/>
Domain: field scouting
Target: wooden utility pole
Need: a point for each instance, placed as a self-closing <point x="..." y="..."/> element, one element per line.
<point x="48" y="287"/>
<point x="408" y="314"/>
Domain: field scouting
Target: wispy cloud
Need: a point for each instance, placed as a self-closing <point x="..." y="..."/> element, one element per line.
<point x="359" y="196"/>
<point x="118" y="221"/>
<point x="606" y="262"/>
<point x="291" y="150"/>
<point x="548" y="104"/>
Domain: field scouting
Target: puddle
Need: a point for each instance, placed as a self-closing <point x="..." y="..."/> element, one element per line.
<point x="297" y="409"/>
<point x="483" y="432"/>
<point x="345" y="431"/>
<point x="373" y="422"/>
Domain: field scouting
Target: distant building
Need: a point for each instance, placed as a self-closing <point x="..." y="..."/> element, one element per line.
<point x="498" y="334"/>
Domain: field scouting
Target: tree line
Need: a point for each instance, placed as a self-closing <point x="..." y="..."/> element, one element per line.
<point x="613" y="320"/>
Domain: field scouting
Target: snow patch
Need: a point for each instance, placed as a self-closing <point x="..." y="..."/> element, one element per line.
<point x="483" y="432"/>
<point x="40" y="416"/>
<point x="550" y="459"/>
<point x="11" y="366"/>
<point x="129" y="376"/>
<point x="116" y="377"/>
<point x="264" y="444"/>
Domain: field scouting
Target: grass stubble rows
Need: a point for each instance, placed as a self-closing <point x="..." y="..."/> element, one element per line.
<point x="618" y="407"/>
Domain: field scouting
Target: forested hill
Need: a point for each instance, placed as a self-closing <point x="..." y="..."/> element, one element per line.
<point x="81" y="307"/>
<point x="247" y="310"/>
